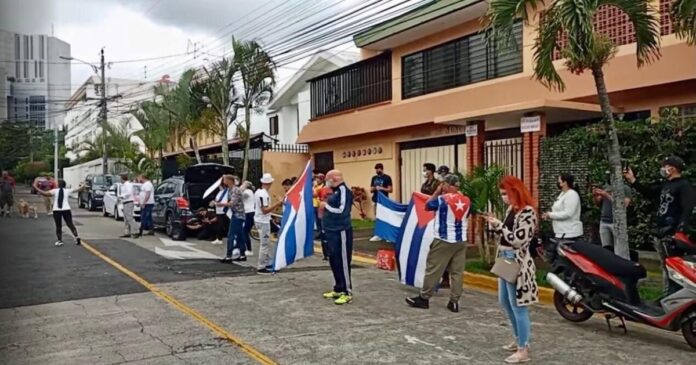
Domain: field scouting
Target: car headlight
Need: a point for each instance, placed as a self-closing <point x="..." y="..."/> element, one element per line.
<point x="99" y="192"/>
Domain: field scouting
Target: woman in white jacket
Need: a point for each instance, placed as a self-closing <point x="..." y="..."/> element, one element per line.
<point x="565" y="211"/>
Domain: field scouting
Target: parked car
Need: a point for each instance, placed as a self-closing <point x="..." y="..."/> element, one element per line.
<point x="178" y="197"/>
<point x="96" y="186"/>
<point x="111" y="205"/>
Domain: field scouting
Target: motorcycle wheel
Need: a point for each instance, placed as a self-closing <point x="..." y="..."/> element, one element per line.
<point x="688" y="328"/>
<point x="571" y="312"/>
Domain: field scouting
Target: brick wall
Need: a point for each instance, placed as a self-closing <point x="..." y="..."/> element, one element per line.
<point x="531" y="153"/>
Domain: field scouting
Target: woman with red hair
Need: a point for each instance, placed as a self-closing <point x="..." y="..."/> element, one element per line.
<point x="516" y="234"/>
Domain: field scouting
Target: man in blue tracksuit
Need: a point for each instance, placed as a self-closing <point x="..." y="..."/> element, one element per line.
<point x="339" y="236"/>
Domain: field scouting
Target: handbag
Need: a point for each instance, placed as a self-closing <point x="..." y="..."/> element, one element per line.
<point x="505" y="268"/>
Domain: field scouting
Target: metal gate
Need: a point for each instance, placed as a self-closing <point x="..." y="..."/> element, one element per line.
<point x="255" y="164"/>
<point x="412" y="161"/>
<point x="506" y="153"/>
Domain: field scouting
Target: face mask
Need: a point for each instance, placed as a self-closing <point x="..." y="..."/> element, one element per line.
<point x="329" y="183"/>
<point x="664" y="172"/>
<point x="425" y="174"/>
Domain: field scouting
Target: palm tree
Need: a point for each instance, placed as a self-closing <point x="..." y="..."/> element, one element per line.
<point x="117" y="140"/>
<point x="684" y="19"/>
<point x="219" y="91"/>
<point x="257" y="71"/>
<point x="156" y="129"/>
<point x="585" y="49"/>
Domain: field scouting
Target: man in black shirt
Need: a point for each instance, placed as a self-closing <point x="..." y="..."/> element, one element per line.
<point x="431" y="183"/>
<point x="381" y="183"/>
<point x="677" y="201"/>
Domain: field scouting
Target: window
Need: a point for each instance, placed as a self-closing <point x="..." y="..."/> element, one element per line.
<point x="41" y="47"/>
<point x="323" y="162"/>
<point x="686" y="111"/>
<point x="26" y="47"/>
<point x="31" y="46"/>
<point x="41" y="69"/>
<point x="36" y="68"/>
<point x="459" y="62"/>
<point x="273" y="121"/>
<point x="17" y="48"/>
<point x="18" y="69"/>
<point x="26" y="69"/>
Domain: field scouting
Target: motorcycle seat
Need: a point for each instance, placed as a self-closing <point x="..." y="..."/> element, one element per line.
<point x="610" y="262"/>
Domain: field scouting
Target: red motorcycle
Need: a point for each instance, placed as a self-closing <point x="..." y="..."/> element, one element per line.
<point x="589" y="279"/>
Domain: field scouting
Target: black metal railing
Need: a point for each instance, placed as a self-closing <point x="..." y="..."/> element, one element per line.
<point x="506" y="153"/>
<point x="360" y="84"/>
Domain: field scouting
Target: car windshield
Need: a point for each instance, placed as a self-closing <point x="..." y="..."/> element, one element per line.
<point x="103" y="180"/>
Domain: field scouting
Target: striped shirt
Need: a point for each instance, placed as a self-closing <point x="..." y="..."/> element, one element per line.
<point x="452" y="213"/>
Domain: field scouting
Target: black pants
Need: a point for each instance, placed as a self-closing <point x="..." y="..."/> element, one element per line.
<point x="341" y="252"/>
<point x="248" y="225"/>
<point x="222" y="223"/>
<point x="58" y="217"/>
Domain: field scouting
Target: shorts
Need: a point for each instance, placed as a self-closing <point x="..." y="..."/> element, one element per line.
<point x="6" y="199"/>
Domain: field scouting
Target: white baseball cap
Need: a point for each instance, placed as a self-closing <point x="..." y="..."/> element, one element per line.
<point x="267" y="178"/>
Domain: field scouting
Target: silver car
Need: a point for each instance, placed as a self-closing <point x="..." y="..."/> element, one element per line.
<point x="112" y="208"/>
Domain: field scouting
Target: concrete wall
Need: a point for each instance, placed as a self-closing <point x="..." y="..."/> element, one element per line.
<point x="282" y="166"/>
<point x="57" y="72"/>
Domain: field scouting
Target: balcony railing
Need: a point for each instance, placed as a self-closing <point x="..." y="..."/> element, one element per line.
<point x="360" y="84"/>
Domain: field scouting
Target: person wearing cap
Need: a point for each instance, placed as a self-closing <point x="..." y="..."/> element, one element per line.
<point x="442" y="171"/>
<point x="448" y="250"/>
<point x="262" y="219"/>
<point x="381" y="183"/>
<point x="677" y="202"/>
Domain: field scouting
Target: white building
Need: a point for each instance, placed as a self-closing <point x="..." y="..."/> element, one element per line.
<point x="35" y="79"/>
<point x="290" y="108"/>
<point x="83" y="117"/>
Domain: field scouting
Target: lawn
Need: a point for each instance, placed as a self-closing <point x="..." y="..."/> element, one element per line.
<point x="363" y="224"/>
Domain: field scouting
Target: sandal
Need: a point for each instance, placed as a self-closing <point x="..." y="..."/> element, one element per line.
<point x="518" y="358"/>
<point x="512" y="347"/>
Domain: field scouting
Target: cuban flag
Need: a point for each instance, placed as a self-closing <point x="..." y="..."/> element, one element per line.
<point x="413" y="244"/>
<point x="390" y="216"/>
<point x="296" y="238"/>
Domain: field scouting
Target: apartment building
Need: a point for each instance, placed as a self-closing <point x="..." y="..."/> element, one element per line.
<point x="431" y="89"/>
<point x="35" y="79"/>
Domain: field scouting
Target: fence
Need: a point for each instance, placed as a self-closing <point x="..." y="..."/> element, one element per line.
<point x="506" y="153"/>
<point x="289" y="148"/>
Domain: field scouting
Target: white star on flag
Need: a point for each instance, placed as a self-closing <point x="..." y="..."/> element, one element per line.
<point x="460" y="205"/>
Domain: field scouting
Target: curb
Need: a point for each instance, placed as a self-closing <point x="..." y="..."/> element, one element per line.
<point x="473" y="280"/>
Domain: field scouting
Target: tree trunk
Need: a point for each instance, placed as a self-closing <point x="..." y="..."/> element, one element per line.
<point x="614" y="154"/>
<point x="194" y="145"/>
<point x="224" y="144"/>
<point x="247" y="142"/>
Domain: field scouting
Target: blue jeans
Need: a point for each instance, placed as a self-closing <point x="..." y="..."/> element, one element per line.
<point x="235" y="236"/>
<point x="519" y="315"/>
<point x="146" y="218"/>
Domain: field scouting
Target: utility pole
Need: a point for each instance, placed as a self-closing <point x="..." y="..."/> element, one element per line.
<point x="105" y="157"/>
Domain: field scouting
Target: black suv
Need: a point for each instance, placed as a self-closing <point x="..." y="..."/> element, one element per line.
<point x="92" y="197"/>
<point x="178" y="197"/>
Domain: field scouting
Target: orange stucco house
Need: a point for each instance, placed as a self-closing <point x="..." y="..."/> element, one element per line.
<point x="430" y="89"/>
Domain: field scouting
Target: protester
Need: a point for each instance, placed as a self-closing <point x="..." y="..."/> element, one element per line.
<point x="126" y="199"/>
<point x="442" y="171"/>
<point x="602" y="197"/>
<point x="448" y="250"/>
<point x="381" y="183"/>
<point x="249" y="211"/>
<point x="339" y="236"/>
<point x="221" y="208"/>
<point x="677" y="202"/>
<point x="7" y="190"/>
<point x="319" y="186"/>
<point x="515" y="235"/>
<point x="262" y="219"/>
<point x="236" y="244"/>
<point x="47" y="184"/>
<point x="147" y="204"/>
<point x="204" y="223"/>
<point x="565" y="211"/>
<point x="287" y="184"/>
<point x="431" y="183"/>
<point x="61" y="210"/>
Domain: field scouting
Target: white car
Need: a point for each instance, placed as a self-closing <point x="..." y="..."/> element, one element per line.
<point x="116" y="210"/>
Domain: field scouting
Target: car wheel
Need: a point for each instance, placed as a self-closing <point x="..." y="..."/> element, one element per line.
<point x="173" y="232"/>
<point x="79" y="202"/>
<point x="90" y="204"/>
<point x="104" y="213"/>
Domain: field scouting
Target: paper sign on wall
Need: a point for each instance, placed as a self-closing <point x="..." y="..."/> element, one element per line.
<point x="472" y="130"/>
<point x="530" y="124"/>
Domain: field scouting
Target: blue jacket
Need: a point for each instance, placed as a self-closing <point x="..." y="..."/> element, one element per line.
<point x="338" y="207"/>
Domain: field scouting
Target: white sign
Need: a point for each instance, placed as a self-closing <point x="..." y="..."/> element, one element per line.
<point x="530" y="124"/>
<point x="472" y="130"/>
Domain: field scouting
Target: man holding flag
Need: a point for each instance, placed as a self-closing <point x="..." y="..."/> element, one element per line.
<point x="448" y="250"/>
<point x="339" y="236"/>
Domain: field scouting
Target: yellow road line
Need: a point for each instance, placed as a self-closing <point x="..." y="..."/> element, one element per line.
<point x="252" y="352"/>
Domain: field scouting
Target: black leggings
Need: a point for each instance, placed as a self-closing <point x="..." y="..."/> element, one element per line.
<point x="223" y="223"/>
<point x="58" y="217"/>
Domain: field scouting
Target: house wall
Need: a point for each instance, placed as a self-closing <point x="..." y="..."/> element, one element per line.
<point x="282" y="166"/>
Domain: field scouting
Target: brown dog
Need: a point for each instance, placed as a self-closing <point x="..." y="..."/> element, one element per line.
<point x="26" y="210"/>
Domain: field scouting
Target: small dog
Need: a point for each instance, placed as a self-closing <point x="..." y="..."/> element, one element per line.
<point x="26" y="210"/>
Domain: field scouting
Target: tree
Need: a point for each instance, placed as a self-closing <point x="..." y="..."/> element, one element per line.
<point x="219" y="91"/>
<point x="117" y="140"/>
<point x="156" y="128"/>
<point x="257" y="71"/>
<point x="584" y="49"/>
<point x="684" y="19"/>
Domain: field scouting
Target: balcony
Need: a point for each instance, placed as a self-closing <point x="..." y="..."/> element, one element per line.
<point x="361" y="84"/>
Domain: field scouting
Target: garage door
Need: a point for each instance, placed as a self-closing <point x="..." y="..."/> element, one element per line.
<point x="412" y="161"/>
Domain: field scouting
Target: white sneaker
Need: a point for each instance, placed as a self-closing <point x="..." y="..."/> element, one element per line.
<point x="235" y="254"/>
<point x="216" y="242"/>
<point x="248" y="253"/>
<point x="58" y="243"/>
<point x="375" y="238"/>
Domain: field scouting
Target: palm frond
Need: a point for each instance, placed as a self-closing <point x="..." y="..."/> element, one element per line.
<point x="549" y="30"/>
<point x="646" y="25"/>
<point x="502" y="15"/>
<point x="684" y="19"/>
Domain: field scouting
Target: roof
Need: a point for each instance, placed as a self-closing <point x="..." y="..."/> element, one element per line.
<point x="320" y="63"/>
<point x="230" y="141"/>
<point x="411" y="19"/>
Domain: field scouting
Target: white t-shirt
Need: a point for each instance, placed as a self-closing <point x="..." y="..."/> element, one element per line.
<point x="262" y="200"/>
<point x="147" y="186"/>
<point x="66" y="200"/>
<point x="126" y="192"/>
<point x="221" y="197"/>
<point x="249" y="206"/>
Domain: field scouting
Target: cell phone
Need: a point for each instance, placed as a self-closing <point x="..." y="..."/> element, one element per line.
<point x="625" y="165"/>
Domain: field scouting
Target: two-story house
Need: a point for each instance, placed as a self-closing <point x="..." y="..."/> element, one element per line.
<point x="431" y="89"/>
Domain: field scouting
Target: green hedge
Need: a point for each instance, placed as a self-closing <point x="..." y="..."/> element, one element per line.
<point x="582" y="152"/>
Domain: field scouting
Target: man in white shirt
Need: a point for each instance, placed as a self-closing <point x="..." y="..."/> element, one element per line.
<point x="147" y="204"/>
<point x="250" y="212"/>
<point x="61" y="209"/>
<point x="262" y="218"/>
<point x="126" y="198"/>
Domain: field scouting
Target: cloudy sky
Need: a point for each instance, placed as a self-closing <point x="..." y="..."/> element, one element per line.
<point x="137" y="29"/>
